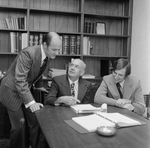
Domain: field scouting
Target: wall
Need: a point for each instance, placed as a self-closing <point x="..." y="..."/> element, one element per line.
<point x="140" y="47"/>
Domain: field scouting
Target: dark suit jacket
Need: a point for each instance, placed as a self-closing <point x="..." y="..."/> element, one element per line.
<point x="22" y="74"/>
<point x="132" y="91"/>
<point x="61" y="87"/>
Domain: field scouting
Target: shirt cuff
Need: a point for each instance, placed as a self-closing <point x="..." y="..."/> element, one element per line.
<point x="29" y="104"/>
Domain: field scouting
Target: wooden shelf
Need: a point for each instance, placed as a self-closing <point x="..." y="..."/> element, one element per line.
<point x="69" y="17"/>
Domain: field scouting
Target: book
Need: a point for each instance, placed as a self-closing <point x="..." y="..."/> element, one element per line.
<point x="31" y="40"/>
<point x="72" y="44"/>
<point x="36" y="40"/>
<point x="78" y="42"/>
<point x="85" y="27"/>
<point x="85" y="108"/>
<point x="100" y="28"/>
<point x="92" y="122"/>
<point x="65" y="44"/>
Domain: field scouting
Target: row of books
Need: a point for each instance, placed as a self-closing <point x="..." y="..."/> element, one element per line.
<point x="36" y="39"/>
<point x="89" y="27"/>
<point x="18" y="41"/>
<point x="70" y="44"/>
<point x="13" y="23"/>
<point x="94" y="27"/>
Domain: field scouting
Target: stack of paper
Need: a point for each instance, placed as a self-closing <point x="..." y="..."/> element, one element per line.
<point x="88" y="76"/>
<point x="57" y="72"/>
<point x="85" y="108"/>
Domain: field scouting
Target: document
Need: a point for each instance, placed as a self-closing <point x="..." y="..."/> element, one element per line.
<point x="86" y="108"/>
<point x="92" y="122"/>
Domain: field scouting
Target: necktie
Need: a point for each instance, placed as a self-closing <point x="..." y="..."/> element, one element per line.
<point x="72" y="89"/>
<point x="119" y="89"/>
<point x="42" y="68"/>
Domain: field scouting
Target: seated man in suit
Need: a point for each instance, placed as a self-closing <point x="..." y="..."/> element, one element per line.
<point x="129" y="95"/>
<point x="70" y="89"/>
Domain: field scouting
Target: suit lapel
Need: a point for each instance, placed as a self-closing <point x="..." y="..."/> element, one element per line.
<point x="36" y="63"/>
<point x="127" y="89"/>
<point x="113" y="88"/>
<point x="65" y="86"/>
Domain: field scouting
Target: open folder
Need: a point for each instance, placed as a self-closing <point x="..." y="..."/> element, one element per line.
<point x="90" y="122"/>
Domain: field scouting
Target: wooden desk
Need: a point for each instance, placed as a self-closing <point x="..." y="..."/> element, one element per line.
<point x="60" y="135"/>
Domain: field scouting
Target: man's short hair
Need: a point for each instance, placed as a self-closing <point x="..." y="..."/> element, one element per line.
<point x="121" y="64"/>
<point x="47" y="38"/>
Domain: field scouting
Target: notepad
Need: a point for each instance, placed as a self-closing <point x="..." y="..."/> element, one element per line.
<point x="92" y="122"/>
<point x="85" y="108"/>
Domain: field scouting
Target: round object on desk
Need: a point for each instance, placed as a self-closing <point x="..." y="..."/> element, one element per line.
<point x="106" y="130"/>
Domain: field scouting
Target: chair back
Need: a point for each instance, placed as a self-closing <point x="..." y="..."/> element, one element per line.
<point x="147" y="102"/>
<point x="93" y="91"/>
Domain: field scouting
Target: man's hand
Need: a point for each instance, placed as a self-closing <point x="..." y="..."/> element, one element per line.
<point x="129" y="107"/>
<point x="69" y="100"/>
<point x="36" y="106"/>
<point x="122" y="102"/>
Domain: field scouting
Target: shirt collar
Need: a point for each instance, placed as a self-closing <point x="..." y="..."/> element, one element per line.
<point x="122" y="83"/>
<point x="43" y="53"/>
<point x="70" y="82"/>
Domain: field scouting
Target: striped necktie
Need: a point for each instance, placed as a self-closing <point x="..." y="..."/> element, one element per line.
<point x="119" y="90"/>
<point x="72" y="89"/>
<point x="42" y="68"/>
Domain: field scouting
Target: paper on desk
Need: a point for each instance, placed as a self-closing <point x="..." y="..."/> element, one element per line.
<point x="87" y="108"/>
<point x="92" y="122"/>
<point x="119" y="119"/>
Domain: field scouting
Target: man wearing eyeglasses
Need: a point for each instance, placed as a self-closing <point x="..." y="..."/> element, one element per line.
<point x="70" y="89"/>
<point x="120" y="89"/>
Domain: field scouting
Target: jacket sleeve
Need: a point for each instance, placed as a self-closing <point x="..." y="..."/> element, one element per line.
<point x="51" y="97"/>
<point x="22" y="69"/>
<point x="138" y="100"/>
<point x="103" y="95"/>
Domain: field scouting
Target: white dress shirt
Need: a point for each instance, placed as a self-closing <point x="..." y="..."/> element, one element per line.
<point x="75" y="87"/>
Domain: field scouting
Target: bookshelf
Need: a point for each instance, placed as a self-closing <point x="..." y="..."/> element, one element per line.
<point x="70" y="17"/>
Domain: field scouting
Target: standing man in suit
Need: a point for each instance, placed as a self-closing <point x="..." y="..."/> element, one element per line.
<point x="70" y="89"/>
<point x="15" y="90"/>
<point x="129" y="92"/>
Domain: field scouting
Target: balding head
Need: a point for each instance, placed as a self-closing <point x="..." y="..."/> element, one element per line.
<point x="76" y="69"/>
<point x="52" y="43"/>
<point x="52" y="38"/>
<point x="80" y="63"/>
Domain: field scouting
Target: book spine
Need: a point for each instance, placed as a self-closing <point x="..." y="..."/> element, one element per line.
<point x="72" y="44"/>
<point x="31" y="40"/>
<point x="40" y="38"/>
<point x="78" y="41"/>
<point x="36" y="40"/>
<point x="116" y="124"/>
<point x="65" y="44"/>
<point x="17" y="42"/>
<point x="20" y="41"/>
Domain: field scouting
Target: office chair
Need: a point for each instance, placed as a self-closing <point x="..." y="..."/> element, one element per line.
<point x="93" y="91"/>
<point x="147" y="102"/>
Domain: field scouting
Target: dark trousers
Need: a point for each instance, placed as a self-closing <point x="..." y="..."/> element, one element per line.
<point x="19" y="131"/>
<point x="25" y="129"/>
